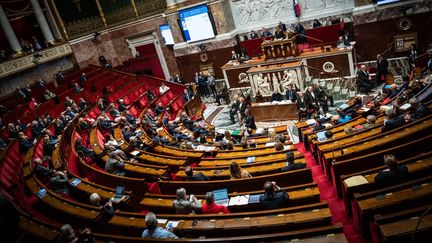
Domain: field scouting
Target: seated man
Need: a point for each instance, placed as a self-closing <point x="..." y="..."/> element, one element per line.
<point x="113" y="111"/>
<point x="40" y="170"/>
<point x="211" y="207"/>
<point x="81" y="149"/>
<point x="370" y="122"/>
<point x="115" y="165"/>
<point x="153" y="231"/>
<point x="274" y="197"/>
<point x="24" y="143"/>
<point x="59" y="182"/>
<point x="197" y="177"/>
<point x="107" y="208"/>
<point x="159" y="109"/>
<point x="364" y="81"/>
<point x="391" y="121"/>
<point x="187" y="95"/>
<point x="276" y="96"/>
<point x="394" y="173"/>
<point x="223" y="94"/>
<point x="183" y="205"/>
<point x="420" y="109"/>
<point x="121" y="105"/>
<point x="291" y="165"/>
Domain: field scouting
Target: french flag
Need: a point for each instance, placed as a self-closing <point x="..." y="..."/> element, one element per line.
<point x="296" y="7"/>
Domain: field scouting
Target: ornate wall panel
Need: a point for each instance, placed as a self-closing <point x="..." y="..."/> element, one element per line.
<point x="146" y="8"/>
<point x="117" y="11"/>
<point x="249" y="14"/>
<point x="80" y="17"/>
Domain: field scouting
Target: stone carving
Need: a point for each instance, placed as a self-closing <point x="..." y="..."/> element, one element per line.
<point x="250" y="13"/>
<point x="275" y="81"/>
<point x="263" y="85"/>
<point x="289" y="78"/>
<point x="243" y="78"/>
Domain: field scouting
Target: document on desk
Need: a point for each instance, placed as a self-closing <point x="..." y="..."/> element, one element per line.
<point x="270" y="144"/>
<point x="355" y="181"/>
<point x="162" y="221"/>
<point x="239" y="200"/>
<point x="135" y="152"/>
<point x="311" y="121"/>
<point x="173" y="223"/>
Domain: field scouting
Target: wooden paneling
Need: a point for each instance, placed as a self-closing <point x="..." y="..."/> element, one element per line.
<point x="189" y="64"/>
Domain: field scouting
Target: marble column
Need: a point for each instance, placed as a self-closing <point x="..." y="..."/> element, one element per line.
<point x="51" y="22"/>
<point x="9" y="32"/>
<point x="171" y="3"/>
<point x="43" y="24"/>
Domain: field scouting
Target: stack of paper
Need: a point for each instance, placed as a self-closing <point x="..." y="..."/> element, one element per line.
<point x="355" y="181"/>
<point x="239" y="200"/>
<point x="270" y="144"/>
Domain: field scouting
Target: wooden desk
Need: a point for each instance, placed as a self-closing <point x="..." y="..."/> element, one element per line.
<point x="274" y="112"/>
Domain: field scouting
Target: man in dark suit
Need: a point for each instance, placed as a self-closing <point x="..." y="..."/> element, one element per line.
<point x="194" y="177"/>
<point x="159" y="109"/>
<point x="420" y="111"/>
<point x="234" y="108"/>
<point x="394" y="173"/>
<point x="276" y="96"/>
<point x="187" y="95"/>
<point x="391" y="121"/>
<point x="382" y="65"/>
<point x="249" y="120"/>
<point x="311" y="99"/>
<point x="363" y="80"/>
<point x="323" y="98"/>
<point x="274" y="197"/>
<point x="291" y="94"/>
<point x="291" y="165"/>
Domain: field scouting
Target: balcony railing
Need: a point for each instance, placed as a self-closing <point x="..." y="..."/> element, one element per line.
<point x="31" y="60"/>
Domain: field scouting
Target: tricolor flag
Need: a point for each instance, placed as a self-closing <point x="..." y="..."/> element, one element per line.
<point x="296" y="7"/>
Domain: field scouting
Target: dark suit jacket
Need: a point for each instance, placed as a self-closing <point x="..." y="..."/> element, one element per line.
<point x="310" y="100"/>
<point x="250" y="122"/>
<point x="276" y="97"/>
<point x="399" y="174"/>
<point x="302" y="103"/>
<point x="277" y="200"/>
<point x="393" y="124"/>
<point x="198" y="177"/>
<point x="291" y="95"/>
<point x="294" y="166"/>
<point x="187" y="97"/>
<point x="363" y="77"/>
<point x="420" y="112"/>
<point x="242" y="107"/>
<point x="382" y="66"/>
<point x="321" y="95"/>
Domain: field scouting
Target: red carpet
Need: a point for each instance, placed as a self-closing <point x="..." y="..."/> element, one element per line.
<point x="328" y="194"/>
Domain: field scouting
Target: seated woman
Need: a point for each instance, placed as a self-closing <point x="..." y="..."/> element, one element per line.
<point x="238" y="173"/>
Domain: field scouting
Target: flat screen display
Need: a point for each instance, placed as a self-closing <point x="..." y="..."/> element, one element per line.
<point x="196" y="23"/>
<point x="166" y="33"/>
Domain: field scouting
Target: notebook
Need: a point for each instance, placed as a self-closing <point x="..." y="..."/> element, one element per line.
<point x="221" y="197"/>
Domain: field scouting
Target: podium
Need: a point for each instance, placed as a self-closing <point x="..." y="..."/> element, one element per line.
<point x="284" y="48"/>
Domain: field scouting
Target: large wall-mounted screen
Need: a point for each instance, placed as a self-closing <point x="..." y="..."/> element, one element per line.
<point x="196" y="23"/>
<point x="166" y="33"/>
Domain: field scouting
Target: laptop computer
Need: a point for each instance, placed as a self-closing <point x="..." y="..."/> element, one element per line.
<point x="221" y="197"/>
<point x="321" y="136"/>
<point x="119" y="194"/>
